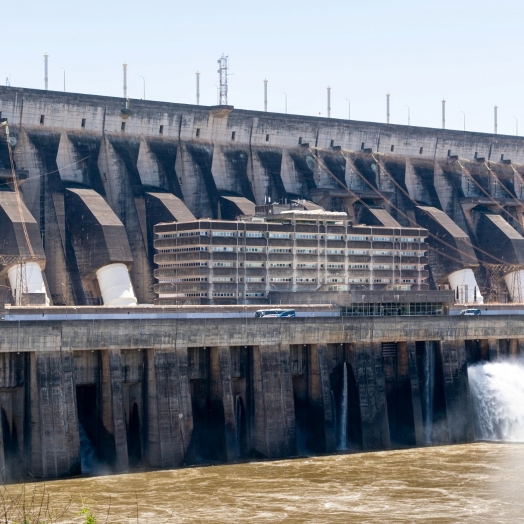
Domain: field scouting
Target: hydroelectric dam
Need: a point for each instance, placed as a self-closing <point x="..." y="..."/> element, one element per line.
<point x="138" y="238"/>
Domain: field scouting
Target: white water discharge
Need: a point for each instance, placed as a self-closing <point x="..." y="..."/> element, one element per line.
<point x="87" y="452"/>
<point x="497" y="397"/>
<point x="344" y="410"/>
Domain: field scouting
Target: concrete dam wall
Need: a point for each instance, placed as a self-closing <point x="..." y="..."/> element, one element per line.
<point x="167" y="393"/>
<point x="96" y="173"/>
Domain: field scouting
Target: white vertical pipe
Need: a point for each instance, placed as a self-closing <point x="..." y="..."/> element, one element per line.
<point x="46" y="63"/>
<point x="125" y="80"/>
<point x="465" y="279"/>
<point x="115" y="285"/>
<point x="33" y="278"/>
<point x="198" y="88"/>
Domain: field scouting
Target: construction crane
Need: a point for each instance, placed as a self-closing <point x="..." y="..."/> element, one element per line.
<point x="21" y="295"/>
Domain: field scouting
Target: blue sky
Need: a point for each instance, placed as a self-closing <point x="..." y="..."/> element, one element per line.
<point x="468" y="52"/>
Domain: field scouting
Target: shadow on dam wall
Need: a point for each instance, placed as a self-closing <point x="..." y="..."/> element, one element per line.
<point x="102" y="411"/>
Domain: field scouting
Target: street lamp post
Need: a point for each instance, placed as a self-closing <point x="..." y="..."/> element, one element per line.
<point x="409" y="115"/>
<point x="464" y="120"/>
<point x="285" y="94"/>
<point x="349" y="109"/>
<point x="144" y="80"/>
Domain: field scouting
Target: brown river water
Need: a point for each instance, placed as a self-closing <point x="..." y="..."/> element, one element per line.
<point x="477" y="483"/>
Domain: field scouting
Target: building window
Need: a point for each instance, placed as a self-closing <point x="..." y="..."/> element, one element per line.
<point x="305" y="236"/>
<point x="161" y="130"/>
<point x="123" y="127"/>
<point x="198" y="132"/>
<point x="83" y="123"/>
<point x="357" y="237"/>
<point x="392" y="148"/>
<point x="42" y="118"/>
<point x="421" y="150"/>
<point x="362" y="145"/>
<point x="267" y="138"/>
<point x="222" y="233"/>
<point x="382" y="239"/>
<point x="449" y="152"/>
<point x="332" y="143"/>
<point x="299" y="140"/>
<point x="233" y="135"/>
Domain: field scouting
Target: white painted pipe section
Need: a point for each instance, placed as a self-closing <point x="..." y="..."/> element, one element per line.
<point x="465" y="281"/>
<point x="514" y="282"/>
<point x="34" y="279"/>
<point x="115" y="285"/>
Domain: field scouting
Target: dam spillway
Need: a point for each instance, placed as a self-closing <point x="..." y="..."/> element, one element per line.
<point x="166" y="393"/>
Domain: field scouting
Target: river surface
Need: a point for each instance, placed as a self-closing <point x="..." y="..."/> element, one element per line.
<point x="477" y="483"/>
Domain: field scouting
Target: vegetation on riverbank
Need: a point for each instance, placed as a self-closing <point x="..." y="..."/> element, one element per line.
<point x="33" y="504"/>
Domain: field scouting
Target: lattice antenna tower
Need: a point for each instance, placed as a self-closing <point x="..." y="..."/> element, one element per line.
<point x="222" y="71"/>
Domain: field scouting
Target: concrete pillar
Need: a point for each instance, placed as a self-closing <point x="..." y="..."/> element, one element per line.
<point x="372" y="396"/>
<point x="493" y="349"/>
<point x="291" y="178"/>
<point x="113" y="412"/>
<point x="514" y="347"/>
<point x="273" y="430"/>
<point x="320" y="393"/>
<point x="520" y="346"/>
<point x="222" y="397"/>
<point x="55" y="442"/>
<point x="119" y="171"/>
<point x="456" y="391"/>
<point x="416" y="399"/>
<point x="184" y="395"/>
<point x="170" y="419"/>
<point x="192" y="176"/>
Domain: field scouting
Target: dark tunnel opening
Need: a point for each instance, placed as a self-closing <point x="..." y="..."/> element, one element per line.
<point x="11" y="448"/>
<point x="134" y="444"/>
<point x="97" y="445"/>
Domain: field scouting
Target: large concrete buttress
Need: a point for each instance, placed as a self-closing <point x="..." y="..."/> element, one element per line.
<point x="13" y="245"/>
<point x="454" y="254"/>
<point x="498" y="237"/>
<point x="101" y="246"/>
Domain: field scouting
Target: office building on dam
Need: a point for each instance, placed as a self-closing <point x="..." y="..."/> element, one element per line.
<point x="138" y="238"/>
